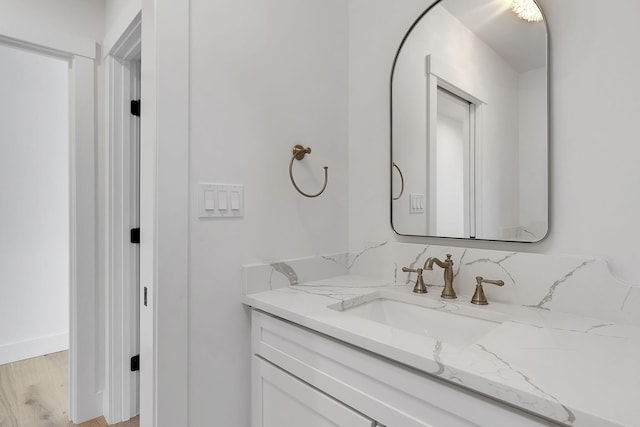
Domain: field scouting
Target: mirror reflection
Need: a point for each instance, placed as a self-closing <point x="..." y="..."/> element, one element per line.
<point x="469" y="123"/>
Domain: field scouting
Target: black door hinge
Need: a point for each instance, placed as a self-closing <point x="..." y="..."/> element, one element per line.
<point x="135" y="235"/>
<point x="135" y="107"/>
<point x="135" y="363"/>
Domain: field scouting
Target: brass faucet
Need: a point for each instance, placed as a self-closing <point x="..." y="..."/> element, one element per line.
<point x="420" y="287"/>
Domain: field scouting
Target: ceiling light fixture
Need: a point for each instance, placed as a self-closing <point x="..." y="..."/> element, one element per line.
<point x="527" y="10"/>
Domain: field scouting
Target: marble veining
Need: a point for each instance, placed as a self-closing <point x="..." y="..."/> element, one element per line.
<point x="570" y="416"/>
<point x="287" y="271"/>
<point x="626" y="297"/>
<point x="436" y="358"/>
<point x="414" y="264"/>
<point x="341" y="259"/>
<point x="498" y="263"/>
<point x="362" y="252"/>
<point x="457" y="266"/>
<point x="329" y="293"/>
<point x="278" y="274"/>
<point x="547" y="298"/>
<point x="589" y="329"/>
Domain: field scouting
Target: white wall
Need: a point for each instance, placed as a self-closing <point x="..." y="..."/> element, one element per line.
<point x="118" y="15"/>
<point x="34" y="220"/>
<point x="264" y="76"/>
<point x="81" y="18"/>
<point x="117" y="10"/>
<point x="594" y="150"/>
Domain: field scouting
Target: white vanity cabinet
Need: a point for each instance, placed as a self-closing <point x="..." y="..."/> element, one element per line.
<point x="305" y="379"/>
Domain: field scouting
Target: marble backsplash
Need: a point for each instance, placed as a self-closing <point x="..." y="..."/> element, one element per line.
<point x="568" y="284"/>
<point x="280" y="274"/>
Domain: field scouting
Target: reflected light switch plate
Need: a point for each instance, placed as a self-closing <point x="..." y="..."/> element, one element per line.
<point x="416" y="203"/>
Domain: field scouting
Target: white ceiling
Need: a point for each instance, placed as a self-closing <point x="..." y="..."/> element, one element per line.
<point x="521" y="43"/>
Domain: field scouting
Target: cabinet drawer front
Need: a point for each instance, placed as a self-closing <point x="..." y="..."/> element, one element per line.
<point x="389" y="393"/>
<point x="281" y="400"/>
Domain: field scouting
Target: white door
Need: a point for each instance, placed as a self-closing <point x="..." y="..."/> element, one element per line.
<point x="449" y="158"/>
<point x="282" y="400"/>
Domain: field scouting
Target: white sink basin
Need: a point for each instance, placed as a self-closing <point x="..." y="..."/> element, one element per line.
<point x="450" y="323"/>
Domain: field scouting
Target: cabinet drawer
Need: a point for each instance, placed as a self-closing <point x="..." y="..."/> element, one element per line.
<point x="392" y="394"/>
<point x="281" y="400"/>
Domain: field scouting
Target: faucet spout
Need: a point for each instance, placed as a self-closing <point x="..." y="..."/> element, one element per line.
<point x="448" y="291"/>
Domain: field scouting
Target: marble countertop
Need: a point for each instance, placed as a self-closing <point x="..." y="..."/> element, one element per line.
<point x="578" y="371"/>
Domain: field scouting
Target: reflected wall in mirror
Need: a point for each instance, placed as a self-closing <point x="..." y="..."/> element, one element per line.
<point x="469" y="113"/>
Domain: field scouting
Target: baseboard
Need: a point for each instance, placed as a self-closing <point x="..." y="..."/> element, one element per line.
<point x="14" y="352"/>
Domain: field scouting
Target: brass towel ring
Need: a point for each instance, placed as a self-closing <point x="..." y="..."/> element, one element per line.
<point x="298" y="154"/>
<point x="401" y="182"/>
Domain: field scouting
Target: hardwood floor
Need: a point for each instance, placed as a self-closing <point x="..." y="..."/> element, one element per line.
<point x="33" y="393"/>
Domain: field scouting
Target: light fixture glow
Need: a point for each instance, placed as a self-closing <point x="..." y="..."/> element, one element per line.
<point x="527" y="10"/>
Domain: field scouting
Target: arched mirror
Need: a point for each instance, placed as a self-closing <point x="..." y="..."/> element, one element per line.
<point x="469" y="118"/>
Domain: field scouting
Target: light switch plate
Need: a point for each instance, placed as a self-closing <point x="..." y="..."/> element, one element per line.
<point x="220" y="200"/>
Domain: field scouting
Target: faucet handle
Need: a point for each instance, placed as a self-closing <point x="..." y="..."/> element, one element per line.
<point x="478" y="297"/>
<point x="420" y="287"/>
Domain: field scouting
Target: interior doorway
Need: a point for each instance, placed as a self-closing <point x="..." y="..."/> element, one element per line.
<point x="69" y="139"/>
<point x="34" y="235"/>
<point x="34" y="218"/>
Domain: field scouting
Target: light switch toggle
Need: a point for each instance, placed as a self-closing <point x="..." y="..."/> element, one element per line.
<point x="209" y="200"/>
<point x="222" y="200"/>
<point x="235" y="201"/>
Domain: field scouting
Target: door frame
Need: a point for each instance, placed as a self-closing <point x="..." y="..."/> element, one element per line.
<point x="121" y="170"/>
<point x="164" y="213"/>
<point x="85" y="398"/>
